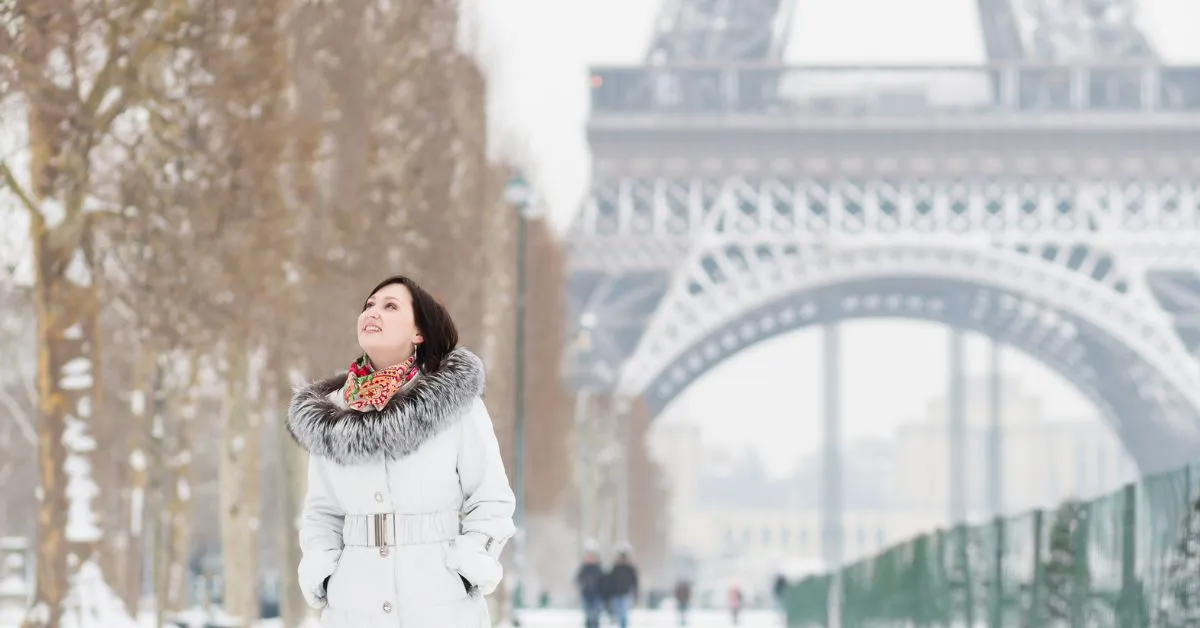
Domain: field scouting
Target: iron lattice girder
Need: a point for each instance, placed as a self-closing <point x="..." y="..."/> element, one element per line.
<point x="997" y="92"/>
<point x="1178" y="292"/>
<point x="606" y="316"/>
<point x="716" y="30"/>
<point x="1001" y="33"/>
<point x="1066" y="30"/>
<point x="721" y="285"/>
<point x="648" y="224"/>
<point x="1104" y="372"/>
<point x="727" y="30"/>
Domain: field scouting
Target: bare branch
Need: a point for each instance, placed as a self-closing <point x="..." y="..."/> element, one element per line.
<point x="10" y="182"/>
<point x="108" y="74"/>
<point x="135" y="60"/>
<point x="30" y="391"/>
<point x="22" y="419"/>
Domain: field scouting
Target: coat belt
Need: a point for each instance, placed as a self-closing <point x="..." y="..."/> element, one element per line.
<point x="387" y="529"/>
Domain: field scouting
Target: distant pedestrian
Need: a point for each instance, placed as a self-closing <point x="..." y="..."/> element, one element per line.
<point x="622" y="588"/>
<point x="683" y="598"/>
<point x="779" y="592"/>
<point x="589" y="580"/>
<point x="736" y="600"/>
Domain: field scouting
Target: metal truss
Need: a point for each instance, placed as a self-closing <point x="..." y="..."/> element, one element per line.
<point x="1114" y="343"/>
<point x="1178" y="292"/>
<point x="711" y="32"/>
<point x="651" y="224"/>
<point x="606" y="316"/>
<point x="719" y="30"/>
<point x="776" y="91"/>
<point x="1001" y="34"/>
<point x="1074" y="30"/>
<point x="1045" y="30"/>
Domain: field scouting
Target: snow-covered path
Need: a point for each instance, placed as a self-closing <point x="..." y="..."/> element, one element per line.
<point x="653" y="619"/>
<point x="569" y="618"/>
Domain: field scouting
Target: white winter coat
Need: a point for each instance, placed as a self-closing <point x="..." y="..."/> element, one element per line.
<point x="430" y="458"/>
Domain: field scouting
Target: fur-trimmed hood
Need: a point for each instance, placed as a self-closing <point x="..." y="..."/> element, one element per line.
<point x="423" y="409"/>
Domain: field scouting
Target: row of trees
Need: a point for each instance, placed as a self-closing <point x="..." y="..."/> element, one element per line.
<point x="209" y="189"/>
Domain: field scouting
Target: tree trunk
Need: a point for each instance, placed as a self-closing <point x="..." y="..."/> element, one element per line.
<point x="649" y="517"/>
<point x="239" y="488"/>
<point x="134" y="544"/>
<point x="156" y="517"/>
<point x="66" y="305"/>
<point x="172" y="586"/>
<point x="292" y="607"/>
<point x="549" y="420"/>
<point x="70" y="112"/>
<point x="498" y="341"/>
<point x="306" y="136"/>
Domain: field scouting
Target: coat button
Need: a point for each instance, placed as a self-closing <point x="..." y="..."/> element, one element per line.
<point x="383" y="551"/>
<point x="378" y="497"/>
<point x="387" y="607"/>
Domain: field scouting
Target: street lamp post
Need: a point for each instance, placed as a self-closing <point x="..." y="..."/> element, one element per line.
<point x="583" y="400"/>
<point x="518" y="194"/>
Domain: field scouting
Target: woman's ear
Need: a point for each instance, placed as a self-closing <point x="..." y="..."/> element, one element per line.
<point x="418" y="339"/>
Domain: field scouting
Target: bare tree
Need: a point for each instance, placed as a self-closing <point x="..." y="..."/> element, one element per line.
<point x="649" y="523"/>
<point x="178" y="196"/>
<point x="173" y="267"/>
<point x="550" y="407"/>
<point x="76" y="68"/>
<point x="549" y="422"/>
<point x="248" y="65"/>
<point x="288" y="345"/>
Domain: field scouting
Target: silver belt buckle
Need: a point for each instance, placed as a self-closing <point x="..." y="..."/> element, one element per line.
<point x="382" y="529"/>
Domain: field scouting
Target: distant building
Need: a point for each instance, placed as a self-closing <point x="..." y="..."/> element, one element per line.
<point x="1045" y="461"/>
<point x="730" y="517"/>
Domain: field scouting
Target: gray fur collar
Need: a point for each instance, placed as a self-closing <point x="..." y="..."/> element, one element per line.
<point x="420" y="411"/>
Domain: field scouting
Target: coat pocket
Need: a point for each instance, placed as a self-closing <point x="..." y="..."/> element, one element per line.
<point x="331" y="583"/>
<point x="469" y="559"/>
<point x="362" y="581"/>
<point x="424" y="577"/>
<point x="463" y="587"/>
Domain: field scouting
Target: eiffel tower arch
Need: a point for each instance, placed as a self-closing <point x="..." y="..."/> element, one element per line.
<point x="1076" y="270"/>
<point x="1017" y="261"/>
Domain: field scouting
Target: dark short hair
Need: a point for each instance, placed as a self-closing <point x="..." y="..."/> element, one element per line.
<point x="432" y="319"/>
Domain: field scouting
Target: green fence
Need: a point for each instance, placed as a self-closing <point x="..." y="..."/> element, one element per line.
<point x="1128" y="560"/>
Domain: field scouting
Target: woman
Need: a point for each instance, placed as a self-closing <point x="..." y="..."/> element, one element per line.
<point x="408" y="504"/>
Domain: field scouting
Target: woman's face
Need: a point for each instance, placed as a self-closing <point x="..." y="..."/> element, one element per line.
<point x="386" y="329"/>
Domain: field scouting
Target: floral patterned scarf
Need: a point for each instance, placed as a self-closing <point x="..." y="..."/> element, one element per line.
<point x="369" y="390"/>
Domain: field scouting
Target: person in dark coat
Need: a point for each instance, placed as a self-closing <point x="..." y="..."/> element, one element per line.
<point x="683" y="597"/>
<point x="779" y="591"/>
<point x="589" y="580"/>
<point x="622" y="588"/>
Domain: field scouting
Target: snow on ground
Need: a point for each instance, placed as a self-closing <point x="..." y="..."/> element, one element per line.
<point x="570" y="618"/>
<point x="92" y="604"/>
<point x="551" y="618"/>
<point x="573" y="618"/>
